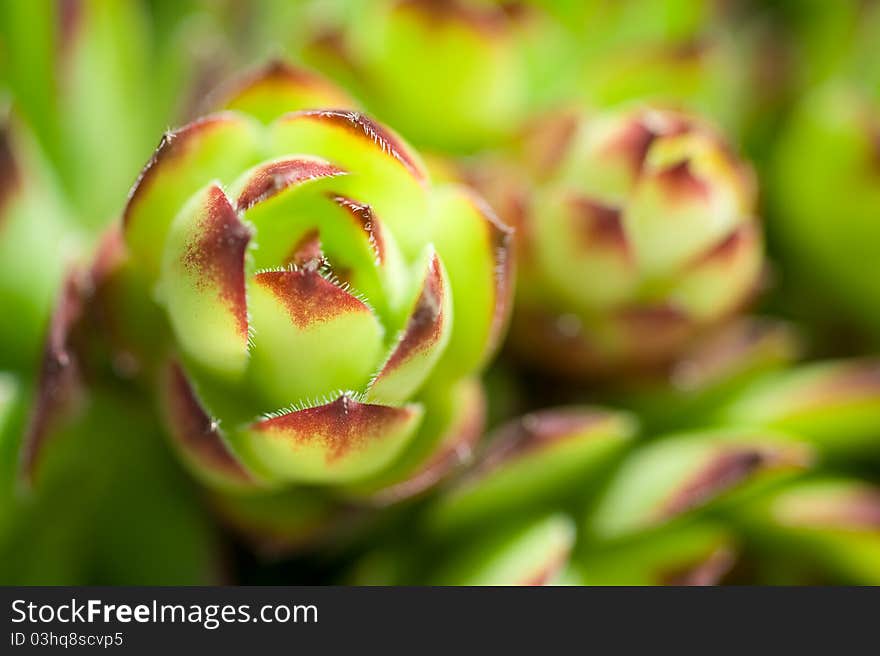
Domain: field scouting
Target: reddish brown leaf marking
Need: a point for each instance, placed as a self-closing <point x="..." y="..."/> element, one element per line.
<point x="488" y="19"/>
<point x="599" y="224"/>
<point x="307" y="252"/>
<point x="425" y="324"/>
<point x="365" y="127"/>
<point x="855" y="380"/>
<point x="681" y="185"/>
<point x="500" y="239"/>
<point x="308" y="297"/>
<point x="874" y="140"/>
<point x="637" y="137"/>
<point x="60" y="371"/>
<point x="502" y="245"/>
<point x="10" y="176"/>
<point x="366" y="220"/>
<point x="710" y="571"/>
<point x="632" y="144"/>
<point x="544" y="575"/>
<point x="70" y="13"/>
<point x="194" y="429"/>
<point x="725" y="470"/>
<point x="548" y="140"/>
<point x="109" y="255"/>
<point x="858" y="510"/>
<point x="172" y="146"/>
<point x="216" y="256"/>
<point x="730" y="247"/>
<point x="339" y="428"/>
<point x="651" y="318"/>
<point x="273" y="178"/>
<point x="534" y="432"/>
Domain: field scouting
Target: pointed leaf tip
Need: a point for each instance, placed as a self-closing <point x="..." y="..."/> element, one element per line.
<point x="340" y="441"/>
<point x="270" y="179"/>
<point x="421" y="342"/>
<point x="363" y="126"/>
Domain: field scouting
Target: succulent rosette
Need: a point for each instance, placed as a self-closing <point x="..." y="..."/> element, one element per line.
<point x="317" y="308"/>
<point x="637" y="233"/>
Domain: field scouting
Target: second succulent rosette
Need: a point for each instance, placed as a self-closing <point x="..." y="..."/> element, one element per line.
<point x="313" y="308"/>
<point x="637" y="233"/>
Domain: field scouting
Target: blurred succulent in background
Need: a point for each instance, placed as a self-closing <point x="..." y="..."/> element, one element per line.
<point x="637" y="232"/>
<point x="450" y="75"/>
<point x="678" y="53"/>
<point x="699" y="507"/>
<point x="826" y="192"/>
<point x="127" y="517"/>
<point x="317" y="308"/>
<point x="709" y="506"/>
<point x="691" y="391"/>
<point x="37" y="243"/>
<point x="84" y="93"/>
<point x="831" y="524"/>
<point x="509" y="518"/>
<point x="834" y="405"/>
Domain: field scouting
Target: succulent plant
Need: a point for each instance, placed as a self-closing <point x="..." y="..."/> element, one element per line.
<point x="693" y="554"/>
<point x="83" y="93"/>
<point x="306" y="306"/>
<point x="714" y="370"/>
<point x="699" y="507"/>
<point x="506" y="519"/>
<point x="317" y="308"/>
<point x="831" y="523"/>
<point x="451" y="75"/>
<point x="637" y="233"/>
<point x="534" y="552"/>
<point x="833" y="405"/>
<point x="532" y="464"/>
<point x="37" y="242"/>
<point x="827" y="164"/>
<point x="73" y="524"/>
<point x="684" y="475"/>
<point x="677" y="53"/>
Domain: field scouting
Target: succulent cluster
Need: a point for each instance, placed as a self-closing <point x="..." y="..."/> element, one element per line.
<point x="289" y="332"/>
